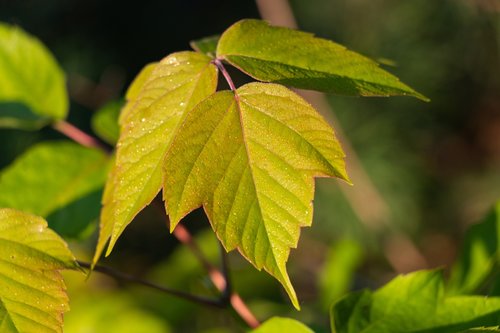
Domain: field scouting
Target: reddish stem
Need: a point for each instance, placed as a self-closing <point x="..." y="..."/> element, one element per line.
<point x="224" y="72"/>
<point x="219" y="279"/>
<point x="78" y="135"/>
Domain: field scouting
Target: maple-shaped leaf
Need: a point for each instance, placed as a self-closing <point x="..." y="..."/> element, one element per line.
<point x="157" y="104"/>
<point x="249" y="159"/>
<point x="32" y="291"/>
<point x="298" y="59"/>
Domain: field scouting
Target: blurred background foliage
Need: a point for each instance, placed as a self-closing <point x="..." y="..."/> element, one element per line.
<point x="433" y="166"/>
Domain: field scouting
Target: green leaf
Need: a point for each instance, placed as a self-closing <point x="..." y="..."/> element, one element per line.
<point x="51" y="178"/>
<point x="30" y="75"/>
<point x="336" y="276"/>
<point x="105" y="121"/>
<point x="279" y="324"/>
<point x="32" y="291"/>
<point x="480" y="256"/>
<point x="148" y="123"/>
<point x="207" y="45"/>
<point x="92" y="313"/>
<point x="413" y="303"/>
<point x="135" y="87"/>
<point x="298" y="59"/>
<point x="250" y="161"/>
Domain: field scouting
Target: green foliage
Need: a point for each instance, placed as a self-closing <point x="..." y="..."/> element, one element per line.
<point x="413" y="303"/>
<point x="29" y="75"/>
<point x="247" y="156"/>
<point x="61" y="181"/>
<point x="148" y="123"/>
<point x="299" y="59"/>
<point x="105" y="122"/>
<point x="256" y="188"/>
<point x="278" y="324"/>
<point x="93" y="313"/>
<point x="479" y="261"/>
<point x="343" y="258"/>
<point x="207" y="45"/>
<point x="32" y="291"/>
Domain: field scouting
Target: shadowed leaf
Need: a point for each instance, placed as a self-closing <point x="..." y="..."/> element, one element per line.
<point x="50" y="178"/>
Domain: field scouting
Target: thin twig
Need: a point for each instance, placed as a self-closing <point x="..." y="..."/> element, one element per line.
<point x="220" y="278"/>
<point x="220" y="302"/>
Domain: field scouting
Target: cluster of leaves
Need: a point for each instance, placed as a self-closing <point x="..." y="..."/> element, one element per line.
<point x="248" y="156"/>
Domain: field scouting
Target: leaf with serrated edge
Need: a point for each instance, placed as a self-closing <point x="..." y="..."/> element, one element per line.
<point x="29" y="74"/>
<point x="298" y="59"/>
<point x="176" y="85"/>
<point x="32" y="291"/>
<point x="250" y="161"/>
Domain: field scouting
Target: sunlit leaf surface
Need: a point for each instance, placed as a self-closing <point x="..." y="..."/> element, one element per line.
<point x="278" y="324"/>
<point x="298" y="59"/>
<point x="32" y="291"/>
<point x="148" y="123"/>
<point x="250" y="161"/>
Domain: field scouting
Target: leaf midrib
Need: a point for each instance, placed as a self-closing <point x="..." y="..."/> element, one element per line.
<point x="247" y="150"/>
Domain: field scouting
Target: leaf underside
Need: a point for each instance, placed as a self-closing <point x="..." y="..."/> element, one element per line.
<point x="29" y="75"/>
<point x="32" y="291"/>
<point x="249" y="161"/>
<point x="155" y="107"/>
<point x="413" y="303"/>
<point x="298" y="59"/>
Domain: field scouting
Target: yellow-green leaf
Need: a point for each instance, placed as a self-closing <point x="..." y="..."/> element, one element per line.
<point x="135" y="88"/>
<point x="32" y="292"/>
<point x="29" y="75"/>
<point x="280" y="324"/>
<point x="298" y="59"/>
<point x="153" y="113"/>
<point x="249" y="160"/>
